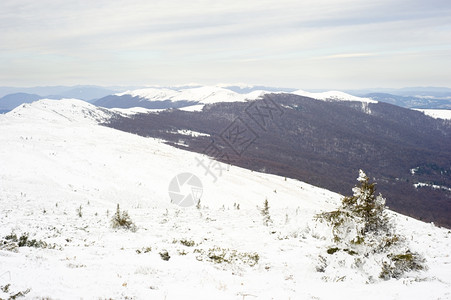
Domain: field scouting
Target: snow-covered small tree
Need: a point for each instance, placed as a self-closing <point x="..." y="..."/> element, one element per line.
<point x="361" y="227"/>
<point x="122" y="220"/>
<point x="265" y="213"/>
<point x="362" y="217"/>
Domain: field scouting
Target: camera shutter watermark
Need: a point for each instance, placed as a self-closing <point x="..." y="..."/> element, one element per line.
<point x="185" y="189"/>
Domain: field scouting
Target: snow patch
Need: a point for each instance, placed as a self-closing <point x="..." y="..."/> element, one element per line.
<point x="433" y="186"/>
<point x="444" y="114"/>
<point x="191" y="133"/>
<point x="198" y="107"/>
<point x="135" y="110"/>
<point x="414" y="170"/>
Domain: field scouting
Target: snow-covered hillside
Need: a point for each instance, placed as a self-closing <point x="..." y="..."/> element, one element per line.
<point x="437" y="113"/>
<point x="333" y="96"/>
<point x="62" y="175"/>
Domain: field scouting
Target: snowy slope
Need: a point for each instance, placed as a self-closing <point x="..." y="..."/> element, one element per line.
<point x="437" y="113"/>
<point x="59" y="111"/>
<point x="61" y="176"/>
<point x="333" y="96"/>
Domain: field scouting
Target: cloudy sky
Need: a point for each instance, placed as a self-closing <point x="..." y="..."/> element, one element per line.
<point x="308" y="44"/>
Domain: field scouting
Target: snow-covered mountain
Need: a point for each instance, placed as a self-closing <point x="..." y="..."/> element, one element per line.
<point x="161" y="98"/>
<point x="158" y="98"/>
<point x="203" y="95"/>
<point x="62" y="175"/>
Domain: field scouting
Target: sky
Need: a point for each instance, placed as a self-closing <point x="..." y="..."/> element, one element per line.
<point x="309" y="44"/>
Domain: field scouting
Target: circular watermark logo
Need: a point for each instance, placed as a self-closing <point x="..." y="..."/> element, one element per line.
<point x="185" y="189"/>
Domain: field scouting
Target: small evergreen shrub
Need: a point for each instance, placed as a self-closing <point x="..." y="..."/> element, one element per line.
<point x="187" y="243"/>
<point x="144" y="250"/>
<point x="11" y="242"/>
<point x="265" y="213"/>
<point x="79" y="211"/>
<point x="398" y="264"/>
<point x="122" y="220"/>
<point x="332" y="250"/>
<point x="165" y="255"/>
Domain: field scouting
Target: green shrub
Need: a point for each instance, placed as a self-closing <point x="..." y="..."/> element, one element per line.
<point x="24" y="241"/>
<point x="165" y="255"/>
<point x="400" y="264"/>
<point x="332" y="250"/>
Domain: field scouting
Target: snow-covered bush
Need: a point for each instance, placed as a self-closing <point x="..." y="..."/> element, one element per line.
<point x="122" y="220"/>
<point x="364" y="237"/>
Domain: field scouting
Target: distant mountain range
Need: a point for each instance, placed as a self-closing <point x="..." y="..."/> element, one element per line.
<point x="82" y="92"/>
<point x="425" y="102"/>
<point x="158" y="98"/>
<point x="437" y="92"/>
<point x="183" y="96"/>
<point x="11" y="97"/>
<point x="162" y="98"/>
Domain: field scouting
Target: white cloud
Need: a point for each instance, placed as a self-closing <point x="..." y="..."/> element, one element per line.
<point x="46" y="42"/>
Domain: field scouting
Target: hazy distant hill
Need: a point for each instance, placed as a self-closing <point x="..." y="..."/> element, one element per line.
<point x="17" y="96"/>
<point x="87" y="93"/>
<point x="429" y="102"/>
<point x="83" y="92"/>
<point x="11" y="101"/>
